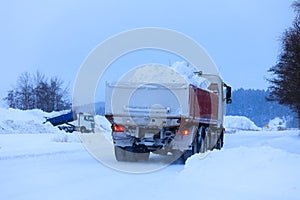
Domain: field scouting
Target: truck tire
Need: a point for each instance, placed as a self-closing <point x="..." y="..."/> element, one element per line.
<point x="83" y="129"/>
<point x="186" y="155"/>
<point x="181" y="157"/>
<point x="142" y="156"/>
<point x="124" y="154"/>
<point x="203" y="140"/>
<point x="65" y="129"/>
<point x="130" y="154"/>
<point x="220" y="142"/>
<point x="71" y="130"/>
<point x="141" y="153"/>
<point x="120" y="154"/>
<point x="196" y="144"/>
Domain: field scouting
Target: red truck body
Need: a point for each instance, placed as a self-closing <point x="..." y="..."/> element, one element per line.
<point x="203" y="105"/>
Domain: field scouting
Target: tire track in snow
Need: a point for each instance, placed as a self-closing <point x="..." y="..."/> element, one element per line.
<point x="36" y="155"/>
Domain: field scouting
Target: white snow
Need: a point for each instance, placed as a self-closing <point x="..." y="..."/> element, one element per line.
<point x="14" y="121"/>
<point x="179" y="72"/>
<point x="233" y="123"/>
<point x="276" y="124"/>
<point x="252" y="165"/>
<point x="31" y="121"/>
<point x="104" y="125"/>
<point x="189" y="73"/>
<point x="246" y="173"/>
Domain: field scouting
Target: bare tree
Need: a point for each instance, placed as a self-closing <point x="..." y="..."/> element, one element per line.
<point x="34" y="91"/>
<point x="24" y="92"/>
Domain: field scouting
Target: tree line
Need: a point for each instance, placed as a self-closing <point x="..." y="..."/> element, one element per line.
<point x="252" y="104"/>
<point x="35" y="91"/>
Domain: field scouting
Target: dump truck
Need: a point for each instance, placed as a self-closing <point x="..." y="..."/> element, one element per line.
<point x="180" y="119"/>
<point x="71" y="121"/>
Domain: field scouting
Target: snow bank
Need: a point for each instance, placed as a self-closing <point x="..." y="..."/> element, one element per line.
<point x="66" y="137"/>
<point x="276" y="124"/>
<point x="233" y="123"/>
<point x="29" y="121"/>
<point x="252" y="165"/>
<point x="14" y="121"/>
<point x="245" y="173"/>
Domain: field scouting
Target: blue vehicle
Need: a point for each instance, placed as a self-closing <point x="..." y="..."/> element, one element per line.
<point x="82" y="122"/>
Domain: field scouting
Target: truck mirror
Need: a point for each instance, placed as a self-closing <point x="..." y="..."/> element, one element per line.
<point x="228" y="101"/>
<point x="228" y="94"/>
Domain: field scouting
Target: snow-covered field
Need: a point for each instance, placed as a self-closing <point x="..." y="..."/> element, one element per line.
<point x="53" y="165"/>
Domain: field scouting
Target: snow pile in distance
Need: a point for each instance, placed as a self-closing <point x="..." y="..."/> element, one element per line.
<point x="29" y="121"/>
<point x="276" y="124"/>
<point x="14" y="121"/>
<point x="233" y="123"/>
<point x="179" y="72"/>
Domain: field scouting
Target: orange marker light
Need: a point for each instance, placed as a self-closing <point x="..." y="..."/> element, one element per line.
<point x="185" y="132"/>
<point x="117" y="128"/>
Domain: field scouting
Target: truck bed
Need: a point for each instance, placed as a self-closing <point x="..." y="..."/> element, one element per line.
<point x="150" y="104"/>
<point x="62" y="119"/>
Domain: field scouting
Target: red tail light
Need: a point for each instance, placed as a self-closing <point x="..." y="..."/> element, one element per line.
<point x="117" y="128"/>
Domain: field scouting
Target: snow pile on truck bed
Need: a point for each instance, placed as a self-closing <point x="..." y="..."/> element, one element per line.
<point x="188" y="73"/>
<point x="179" y="72"/>
<point x="233" y="123"/>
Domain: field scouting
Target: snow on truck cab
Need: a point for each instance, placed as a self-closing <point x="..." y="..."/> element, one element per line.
<point x="181" y="118"/>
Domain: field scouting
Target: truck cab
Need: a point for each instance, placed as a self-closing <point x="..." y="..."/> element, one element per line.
<point x="85" y="122"/>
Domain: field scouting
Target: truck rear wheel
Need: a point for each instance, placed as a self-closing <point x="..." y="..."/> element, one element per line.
<point x="196" y="144"/>
<point x="124" y="154"/>
<point x="181" y="157"/>
<point x="120" y="154"/>
<point x="199" y="145"/>
<point x="131" y="154"/>
<point x="142" y="156"/>
<point x="203" y="140"/>
<point x="220" y="142"/>
<point x="141" y="153"/>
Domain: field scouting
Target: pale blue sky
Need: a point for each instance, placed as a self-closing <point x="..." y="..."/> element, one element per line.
<point x="54" y="37"/>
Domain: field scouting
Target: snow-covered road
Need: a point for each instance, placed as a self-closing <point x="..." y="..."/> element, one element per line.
<point x="253" y="165"/>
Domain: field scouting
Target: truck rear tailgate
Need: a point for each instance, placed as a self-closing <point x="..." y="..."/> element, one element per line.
<point x="147" y="100"/>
